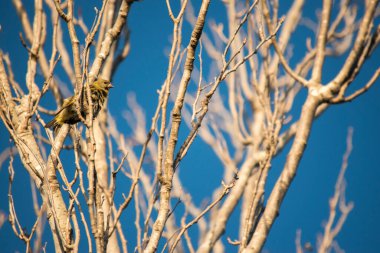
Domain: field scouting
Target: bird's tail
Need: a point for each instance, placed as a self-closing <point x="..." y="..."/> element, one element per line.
<point x="53" y="124"/>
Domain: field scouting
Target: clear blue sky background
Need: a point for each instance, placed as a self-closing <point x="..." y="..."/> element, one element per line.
<point x="306" y="204"/>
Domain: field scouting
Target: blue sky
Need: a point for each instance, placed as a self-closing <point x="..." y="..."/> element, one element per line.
<point x="306" y="204"/>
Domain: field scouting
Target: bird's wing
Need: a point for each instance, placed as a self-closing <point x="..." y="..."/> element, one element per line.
<point x="67" y="102"/>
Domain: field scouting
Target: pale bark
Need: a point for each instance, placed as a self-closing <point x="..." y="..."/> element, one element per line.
<point x="240" y="109"/>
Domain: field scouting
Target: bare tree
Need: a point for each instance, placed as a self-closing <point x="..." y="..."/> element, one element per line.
<point x="240" y="113"/>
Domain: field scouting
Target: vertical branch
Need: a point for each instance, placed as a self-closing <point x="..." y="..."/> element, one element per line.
<point x="338" y="198"/>
<point x="176" y="44"/>
<point x="321" y="41"/>
<point x="282" y="185"/>
<point x="74" y="45"/>
<point x="298" y="241"/>
<point x="32" y="62"/>
<point x="168" y="169"/>
<point x="112" y="34"/>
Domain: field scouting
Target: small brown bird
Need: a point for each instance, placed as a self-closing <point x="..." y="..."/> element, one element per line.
<point x="68" y="113"/>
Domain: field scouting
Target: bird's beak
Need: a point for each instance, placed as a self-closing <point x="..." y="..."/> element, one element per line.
<point x="110" y="86"/>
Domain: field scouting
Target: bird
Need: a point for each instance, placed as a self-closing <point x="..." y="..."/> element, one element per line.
<point x="68" y="114"/>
